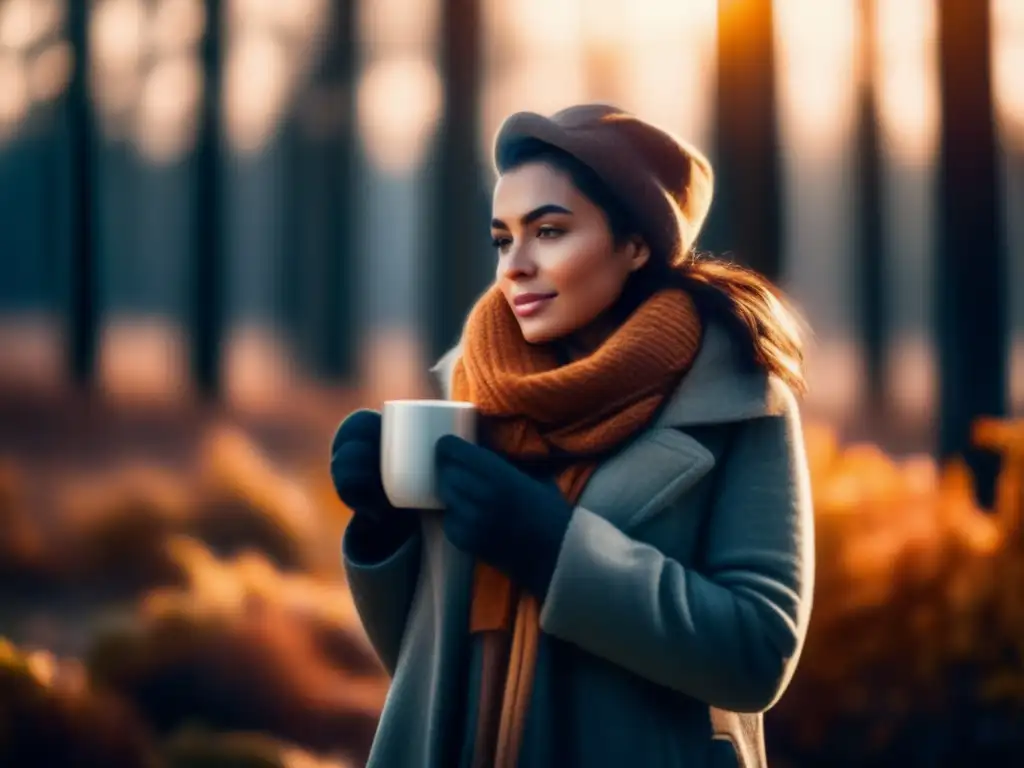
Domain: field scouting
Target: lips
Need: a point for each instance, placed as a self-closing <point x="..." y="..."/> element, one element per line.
<point x="530" y="298"/>
<point x="526" y="304"/>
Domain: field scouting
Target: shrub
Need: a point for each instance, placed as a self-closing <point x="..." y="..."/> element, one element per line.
<point x="50" y="716"/>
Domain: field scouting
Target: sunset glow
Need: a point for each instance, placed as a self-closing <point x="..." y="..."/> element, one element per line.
<point x="399" y="95"/>
<point x="815" y="65"/>
<point x="278" y="41"/>
<point x="15" y="98"/>
<point x="906" y="76"/>
<point x="529" y="66"/>
<point x="653" y="58"/>
<point x="658" y="65"/>
<point x="25" y="23"/>
<point x="399" y="105"/>
<point x="1008" y="69"/>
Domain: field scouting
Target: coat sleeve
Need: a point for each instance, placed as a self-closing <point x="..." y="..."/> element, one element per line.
<point x="382" y="589"/>
<point x="729" y="632"/>
<point x="383" y="585"/>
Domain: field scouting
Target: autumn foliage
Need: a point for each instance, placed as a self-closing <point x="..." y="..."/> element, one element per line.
<point x="176" y="618"/>
<point x="918" y="617"/>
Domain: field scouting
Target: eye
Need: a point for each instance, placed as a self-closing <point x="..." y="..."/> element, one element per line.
<point x="501" y="242"/>
<point x="549" y="233"/>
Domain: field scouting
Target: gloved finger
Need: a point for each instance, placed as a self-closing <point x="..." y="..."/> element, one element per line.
<point x="463" y="485"/>
<point x="458" y="531"/>
<point x="362" y="425"/>
<point x="451" y="449"/>
<point x="354" y="470"/>
<point x="357" y="492"/>
<point x="449" y="493"/>
<point x="367" y="509"/>
<point x="356" y="453"/>
<point x="355" y="487"/>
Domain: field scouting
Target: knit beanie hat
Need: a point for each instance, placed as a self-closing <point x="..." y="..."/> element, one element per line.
<point x="663" y="183"/>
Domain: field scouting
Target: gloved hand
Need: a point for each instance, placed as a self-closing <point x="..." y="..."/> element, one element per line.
<point x="499" y="514"/>
<point x="377" y="526"/>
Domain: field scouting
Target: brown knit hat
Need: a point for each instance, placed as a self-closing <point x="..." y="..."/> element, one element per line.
<point x="664" y="184"/>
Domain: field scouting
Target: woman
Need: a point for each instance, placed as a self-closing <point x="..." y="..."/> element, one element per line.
<point x="623" y="574"/>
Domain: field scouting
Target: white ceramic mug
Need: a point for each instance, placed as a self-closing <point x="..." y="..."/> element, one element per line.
<point x="409" y="433"/>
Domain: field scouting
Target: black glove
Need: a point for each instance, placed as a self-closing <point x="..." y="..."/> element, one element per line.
<point x="498" y="513"/>
<point x="377" y="527"/>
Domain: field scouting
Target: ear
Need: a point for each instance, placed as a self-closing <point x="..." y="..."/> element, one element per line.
<point x="638" y="253"/>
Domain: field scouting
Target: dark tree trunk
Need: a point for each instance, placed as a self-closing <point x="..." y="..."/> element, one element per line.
<point x="208" y="286"/>
<point x="870" y="251"/>
<point x="972" y="272"/>
<point x="83" y="312"/>
<point x="458" y="220"/>
<point x="746" y="216"/>
<point x="319" y="263"/>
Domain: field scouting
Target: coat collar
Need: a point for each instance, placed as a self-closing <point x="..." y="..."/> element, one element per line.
<point x="720" y="387"/>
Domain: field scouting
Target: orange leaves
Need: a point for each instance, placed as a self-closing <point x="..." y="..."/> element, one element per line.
<point x="913" y="579"/>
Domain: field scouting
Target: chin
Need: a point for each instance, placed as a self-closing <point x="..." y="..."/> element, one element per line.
<point x="539" y="333"/>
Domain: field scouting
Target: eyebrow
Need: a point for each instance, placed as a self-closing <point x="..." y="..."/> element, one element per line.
<point x="533" y="215"/>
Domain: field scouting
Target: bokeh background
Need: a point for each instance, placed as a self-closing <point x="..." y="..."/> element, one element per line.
<point x="226" y="223"/>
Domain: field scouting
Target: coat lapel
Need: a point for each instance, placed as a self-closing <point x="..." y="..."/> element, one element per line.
<point x="722" y="386"/>
<point x="646" y="477"/>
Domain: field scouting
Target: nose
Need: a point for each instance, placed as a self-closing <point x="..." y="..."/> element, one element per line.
<point x="518" y="263"/>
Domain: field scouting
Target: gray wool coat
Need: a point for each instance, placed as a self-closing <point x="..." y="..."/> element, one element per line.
<point x="678" y="606"/>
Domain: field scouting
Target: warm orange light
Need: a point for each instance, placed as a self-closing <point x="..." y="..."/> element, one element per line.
<point x="530" y="66"/>
<point x="399" y="96"/>
<point x="25" y="23"/>
<point x="177" y="26"/>
<point x="1008" y="69"/>
<point x="655" y="58"/>
<point x="50" y="71"/>
<point x="143" y="358"/>
<point x="542" y="84"/>
<point x="14" y="94"/>
<point x="252" y="105"/>
<point x="118" y="43"/>
<point x="302" y="18"/>
<point x="815" y="60"/>
<point x="906" y="77"/>
<point x="669" y="70"/>
<point x="270" y="46"/>
<point x="397" y="27"/>
<point x="256" y="13"/>
<point x="117" y="32"/>
<point x="168" y="109"/>
<point x="603" y="24"/>
<point x="399" y="104"/>
<point x="538" y="25"/>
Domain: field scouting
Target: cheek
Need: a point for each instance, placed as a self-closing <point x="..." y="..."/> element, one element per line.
<point x="586" y="277"/>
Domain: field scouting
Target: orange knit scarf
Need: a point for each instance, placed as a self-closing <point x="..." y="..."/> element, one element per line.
<point x="575" y="414"/>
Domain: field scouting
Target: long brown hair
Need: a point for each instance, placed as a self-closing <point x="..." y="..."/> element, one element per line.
<point x="756" y="308"/>
<point x="747" y="302"/>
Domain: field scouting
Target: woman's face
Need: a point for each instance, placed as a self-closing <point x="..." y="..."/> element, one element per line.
<point x="559" y="267"/>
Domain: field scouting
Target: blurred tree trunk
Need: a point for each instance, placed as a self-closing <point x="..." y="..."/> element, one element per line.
<point x="746" y="216"/>
<point x="971" y="274"/>
<point x="870" y="256"/>
<point x="460" y="267"/>
<point x="83" y="311"/>
<point x="208" y="289"/>
<point x="320" y="261"/>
